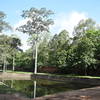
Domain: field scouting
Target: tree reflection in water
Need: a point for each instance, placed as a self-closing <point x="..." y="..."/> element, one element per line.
<point x="34" y="89"/>
<point x="37" y="88"/>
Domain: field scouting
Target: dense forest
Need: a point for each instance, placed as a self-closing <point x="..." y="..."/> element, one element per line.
<point x="79" y="54"/>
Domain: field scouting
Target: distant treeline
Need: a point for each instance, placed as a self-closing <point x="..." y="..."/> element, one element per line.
<point x="79" y="54"/>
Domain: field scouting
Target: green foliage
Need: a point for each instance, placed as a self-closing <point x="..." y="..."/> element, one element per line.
<point x="84" y="26"/>
<point x="57" y="54"/>
<point x="8" y="49"/>
<point x="79" y="54"/>
<point x="61" y="58"/>
<point x="4" y="49"/>
<point x="24" y="61"/>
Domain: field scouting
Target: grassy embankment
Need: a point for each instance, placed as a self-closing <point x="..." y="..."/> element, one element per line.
<point x="65" y="75"/>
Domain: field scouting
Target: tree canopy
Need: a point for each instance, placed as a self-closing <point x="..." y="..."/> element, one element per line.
<point x="79" y="54"/>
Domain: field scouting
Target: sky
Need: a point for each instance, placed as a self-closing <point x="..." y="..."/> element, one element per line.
<point x="67" y="13"/>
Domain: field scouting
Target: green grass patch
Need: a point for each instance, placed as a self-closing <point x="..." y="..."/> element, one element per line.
<point x="92" y="77"/>
<point x="65" y="75"/>
<point x="9" y="71"/>
<point x="70" y="75"/>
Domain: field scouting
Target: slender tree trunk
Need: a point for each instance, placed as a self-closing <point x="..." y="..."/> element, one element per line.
<point x="13" y="63"/>
<point x="86" y="70"/>
<point x="4" y="64"/>
<point x="36" y="47"/>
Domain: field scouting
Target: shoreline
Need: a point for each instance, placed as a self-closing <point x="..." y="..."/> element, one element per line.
<point x="29" y="76"/>
<point x="81" y="94"/>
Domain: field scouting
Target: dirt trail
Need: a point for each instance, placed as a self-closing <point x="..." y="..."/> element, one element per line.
<point x="82" y="94"/>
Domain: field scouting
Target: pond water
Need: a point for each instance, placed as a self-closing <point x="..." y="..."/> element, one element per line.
<point x="36" y="88"/>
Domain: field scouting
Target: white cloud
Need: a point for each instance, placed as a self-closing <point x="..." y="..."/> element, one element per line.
<point x="67" y="21"/>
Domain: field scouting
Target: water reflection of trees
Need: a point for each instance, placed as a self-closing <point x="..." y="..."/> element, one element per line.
<point x="37" y="88"/>
<point x="30" y="88"/>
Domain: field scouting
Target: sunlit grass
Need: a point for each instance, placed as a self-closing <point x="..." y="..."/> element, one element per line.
<point x="10" y="71"/>
<point x="65" y="75"/>
<point x="70" y="75"/>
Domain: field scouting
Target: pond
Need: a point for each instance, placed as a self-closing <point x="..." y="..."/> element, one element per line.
<point x="36" y="88"/>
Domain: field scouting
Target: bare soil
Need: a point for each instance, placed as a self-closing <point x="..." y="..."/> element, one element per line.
<point x="82" y="94"/>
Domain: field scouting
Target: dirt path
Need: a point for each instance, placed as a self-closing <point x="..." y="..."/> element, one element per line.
<point x="11" y="97"/>
<point x="82" y="94"/>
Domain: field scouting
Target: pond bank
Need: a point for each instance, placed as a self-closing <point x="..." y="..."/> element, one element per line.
<point x="90" y="81"/>
<point x="82" y="94"/>
<point x="28" y="76"/>
<point x="15" y="76"/>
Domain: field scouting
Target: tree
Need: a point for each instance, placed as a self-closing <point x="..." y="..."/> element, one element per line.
<point x="85" y="51"/>
<point x="83" y="26"/>
<point x="38" y="23"/>
<point x="57" y="49"/>
<point x="81" y="54"/>
<point x="3" y="25"/>
<point x="94" y="36"/>
<point x="14" y="42"/>
<point x="43" y="50"/>
<point x="4" y="50"/>
<point x="24" y="61"/>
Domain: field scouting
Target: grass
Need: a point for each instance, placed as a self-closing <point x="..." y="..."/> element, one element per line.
<point x="70" y="75"/>
<point x="65" y="75"/>
<point x="9" y="71"/>
<point x="91" y="77"/>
